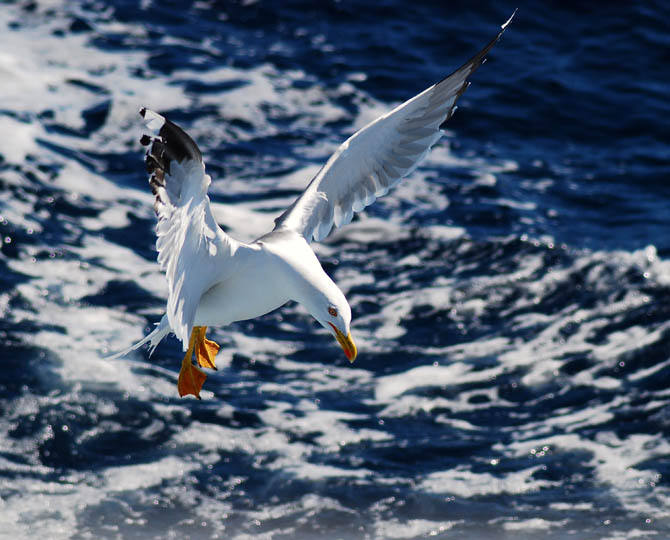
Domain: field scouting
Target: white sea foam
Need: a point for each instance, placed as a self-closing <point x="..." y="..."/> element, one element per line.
<point x="414" y="528"/>
<point x="464" y="483"/>
<point x="535" y="524"/>
<point x="145" y="475"/>
<point x="392" y="386"/>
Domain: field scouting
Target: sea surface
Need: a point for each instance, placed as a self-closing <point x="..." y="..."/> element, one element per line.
<point x="511" y="298"/>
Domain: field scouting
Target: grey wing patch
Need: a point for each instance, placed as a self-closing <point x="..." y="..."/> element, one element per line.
<point x="379" y="155"/>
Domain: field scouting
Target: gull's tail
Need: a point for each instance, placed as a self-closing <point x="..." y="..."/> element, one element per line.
<point x="154" y="338"/>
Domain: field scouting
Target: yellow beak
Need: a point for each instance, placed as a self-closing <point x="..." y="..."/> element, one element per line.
<point x="347" y="344"/>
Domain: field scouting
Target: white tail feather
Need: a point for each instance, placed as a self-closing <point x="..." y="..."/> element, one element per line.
<point x="162" y="329"/>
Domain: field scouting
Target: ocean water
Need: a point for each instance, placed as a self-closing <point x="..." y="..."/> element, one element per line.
<point x="511" y="299"/>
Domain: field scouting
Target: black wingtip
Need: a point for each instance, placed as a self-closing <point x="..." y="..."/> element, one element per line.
<point x="510" y="19"/>
<point x="167" y="144"/>
<point x="479" y="58"/>
<point x="178" y="142"/>
<point x="170" y="142"/>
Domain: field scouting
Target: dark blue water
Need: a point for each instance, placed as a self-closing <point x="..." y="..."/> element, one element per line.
<point x="510" y="298"/>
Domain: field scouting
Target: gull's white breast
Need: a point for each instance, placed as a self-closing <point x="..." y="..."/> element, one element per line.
<point x="256" y="288"/>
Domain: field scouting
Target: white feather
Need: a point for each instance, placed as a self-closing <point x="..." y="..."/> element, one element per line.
<point x="378" y="156"/>
<point x="193" y="250"/>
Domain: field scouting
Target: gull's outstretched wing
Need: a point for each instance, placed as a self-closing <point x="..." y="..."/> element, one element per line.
<point x="193" y="251"/>
<point x="375" y="158"/>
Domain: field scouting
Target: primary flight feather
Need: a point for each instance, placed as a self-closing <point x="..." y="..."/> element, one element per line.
<point x="214" y="279"/>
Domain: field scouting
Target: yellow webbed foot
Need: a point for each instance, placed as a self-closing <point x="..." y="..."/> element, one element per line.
<point x="205" y="352"/>
<point x="191" y="379"/>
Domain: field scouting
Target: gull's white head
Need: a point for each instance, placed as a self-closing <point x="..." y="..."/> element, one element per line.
<point x="331" y="309"/>
<point x="326" y="303"/>
<point x="310" y="286"/>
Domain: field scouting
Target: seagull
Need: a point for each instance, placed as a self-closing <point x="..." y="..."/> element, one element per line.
<point x="215" y="280"/>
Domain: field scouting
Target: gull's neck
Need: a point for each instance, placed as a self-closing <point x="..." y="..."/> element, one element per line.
<point x="306" y="281"/>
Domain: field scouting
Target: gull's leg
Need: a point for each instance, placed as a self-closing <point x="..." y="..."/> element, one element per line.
<point x="191" y="378"/>
<point x="205" y="350"/>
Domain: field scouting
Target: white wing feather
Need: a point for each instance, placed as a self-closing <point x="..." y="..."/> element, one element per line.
<point x="193" y="251"/>
<point x="378" y="156"/>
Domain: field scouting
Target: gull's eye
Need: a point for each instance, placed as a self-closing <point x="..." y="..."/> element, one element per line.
<point x="332" y="311"/>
